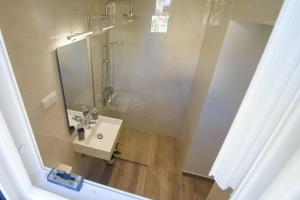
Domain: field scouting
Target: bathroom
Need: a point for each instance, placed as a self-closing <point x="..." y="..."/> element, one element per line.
<point x="170" y="73"/>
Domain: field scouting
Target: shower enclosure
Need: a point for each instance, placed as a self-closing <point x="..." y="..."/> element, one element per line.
<point x="102" y="63"/>
<point x="142" y="71"/>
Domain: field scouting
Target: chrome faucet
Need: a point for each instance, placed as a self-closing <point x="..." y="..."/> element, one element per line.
<point x="88" y="123"/>
<point x="77" y="118"/>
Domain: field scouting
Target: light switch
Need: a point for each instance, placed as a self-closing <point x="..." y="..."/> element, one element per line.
<point x="53" y="97"/>
<point x="49" y="100"/>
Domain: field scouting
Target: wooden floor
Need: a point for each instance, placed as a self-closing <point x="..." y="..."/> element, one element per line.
<point x="160" y="179"/>
<point x="136" y="146"/>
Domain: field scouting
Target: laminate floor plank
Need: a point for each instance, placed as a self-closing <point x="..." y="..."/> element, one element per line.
<point x="160" y="179"/>
<point x="135" y="146"/>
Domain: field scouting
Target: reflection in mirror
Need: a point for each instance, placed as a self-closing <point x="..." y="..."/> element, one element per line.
<point x="74" y="69"/>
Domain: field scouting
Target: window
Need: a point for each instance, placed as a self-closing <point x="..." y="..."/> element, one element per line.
<point x="159" y="21"/>
<point x="159" y="24"/>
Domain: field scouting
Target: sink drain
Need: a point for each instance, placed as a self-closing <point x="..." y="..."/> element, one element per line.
<point x="99" y="136"/>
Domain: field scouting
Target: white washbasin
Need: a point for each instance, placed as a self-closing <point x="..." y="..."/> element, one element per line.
<point x="99" y="148"/>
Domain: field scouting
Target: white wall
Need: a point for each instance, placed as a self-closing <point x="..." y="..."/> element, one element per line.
<point x="242" y="48"/>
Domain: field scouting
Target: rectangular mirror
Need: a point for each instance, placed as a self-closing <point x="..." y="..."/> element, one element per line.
<point x="74" y="67"/>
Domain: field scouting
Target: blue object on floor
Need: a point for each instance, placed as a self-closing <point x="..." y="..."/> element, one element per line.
<point x="71" y="181"/>
<point x="1" y="196"/>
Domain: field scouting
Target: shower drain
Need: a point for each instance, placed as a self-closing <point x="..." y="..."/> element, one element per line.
<point x="99" y="136"/>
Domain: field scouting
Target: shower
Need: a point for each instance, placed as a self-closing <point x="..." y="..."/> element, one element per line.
<point x="130" y="16"/>
<point x="107" y="93"/>
<point x="107" y="23"/>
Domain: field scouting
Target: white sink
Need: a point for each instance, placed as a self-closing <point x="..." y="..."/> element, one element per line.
<point x="99" y="148"/>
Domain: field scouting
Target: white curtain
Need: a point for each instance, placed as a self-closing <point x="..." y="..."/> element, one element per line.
<point x="260" y="158"/>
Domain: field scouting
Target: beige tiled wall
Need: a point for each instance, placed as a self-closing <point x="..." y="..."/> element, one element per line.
<point x="155" y="70"/>
<point x="258" y="11"/>
<point x="32" y="30"/>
